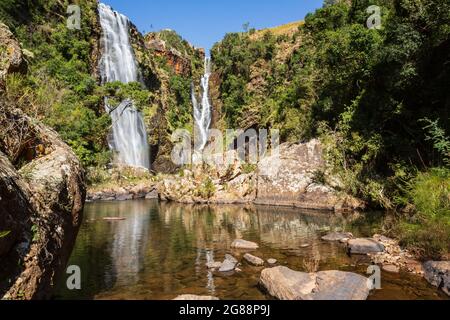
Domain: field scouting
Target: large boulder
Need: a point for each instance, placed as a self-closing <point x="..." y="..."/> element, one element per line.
<point x="438" y="274"/>
<point x="364" y="246"/>
<point x="286" y="284"/>
<point x="41" y="203"/>
<point x="42" y="193"/>
<point x="288" y="178"/>
<point x="244" y="244"/>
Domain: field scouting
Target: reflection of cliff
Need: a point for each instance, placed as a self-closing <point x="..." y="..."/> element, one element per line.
<point x="162" y="248"/>
<point x="220" y="225"/>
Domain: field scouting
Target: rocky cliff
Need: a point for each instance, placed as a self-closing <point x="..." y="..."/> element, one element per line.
<point x="42" y="192"/>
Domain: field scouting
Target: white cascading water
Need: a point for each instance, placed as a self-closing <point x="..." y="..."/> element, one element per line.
<point x="202" y="112"/>
<point x="129" y="135"/>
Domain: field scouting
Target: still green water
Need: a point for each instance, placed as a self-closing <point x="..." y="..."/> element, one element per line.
<point x="160" y="250"/>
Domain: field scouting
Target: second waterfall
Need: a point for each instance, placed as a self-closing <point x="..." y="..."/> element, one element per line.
<point x="129" y="135"/>
<point x="202" y="112"/>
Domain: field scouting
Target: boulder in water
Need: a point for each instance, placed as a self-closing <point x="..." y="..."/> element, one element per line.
<point x="243" y="244"/>
<point x="286" y="284"/>
<point x="364" y="246"/>
<point x="256" y="261"/>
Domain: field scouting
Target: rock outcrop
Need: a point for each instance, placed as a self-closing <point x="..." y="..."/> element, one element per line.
<point x="284" y="179"/>
<point x="289" y="179"/>
<point x="42" y="192"/>
<point x="11" y="56"/>
<point x="286" y="284"/>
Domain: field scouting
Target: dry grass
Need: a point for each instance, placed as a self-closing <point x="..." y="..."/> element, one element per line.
<point x="285" y="29"/>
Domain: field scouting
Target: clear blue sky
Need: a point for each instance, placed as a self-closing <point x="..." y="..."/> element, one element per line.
<point x="204" y="22"/>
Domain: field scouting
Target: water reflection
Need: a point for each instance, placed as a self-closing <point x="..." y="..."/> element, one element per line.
<point x="160" y="250"/>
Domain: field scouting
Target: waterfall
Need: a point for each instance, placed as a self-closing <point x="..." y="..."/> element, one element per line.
<point x="129" y="135"/>
<point x="202" y="113"/>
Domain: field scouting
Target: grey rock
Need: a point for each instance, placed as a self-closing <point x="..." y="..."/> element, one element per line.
<point x="214" y="265"/>
<point x="364" y="246"/>
<point x="152" y="195"/>
<point x="437" y="273"/>
<point x="243" y="244"/>
<point x="272" y="261"/>
<point x="229" y="264"/>
<point x="337" y="236"/>
<point x="286" y="284"/>
<point x="256" y="261"/>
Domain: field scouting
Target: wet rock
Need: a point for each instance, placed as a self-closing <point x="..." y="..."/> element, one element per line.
<point x="256" y="261"/>
<point x="338" y="236"/>
<point x="229" y="264"/>
<point x="437" y="273"/>
<point x="124" y="197"/>
<point x="272" y="261"/>
<point x="192" y="297"/>
<point x="391" y="268"/>
<point x="152" y="195"/>
<point x="214" y="265"/>
<point x="364" y="246"/>
<point x="243" y="244"/>
<point x="305" y="245"/>
<point x="286" y="284"/>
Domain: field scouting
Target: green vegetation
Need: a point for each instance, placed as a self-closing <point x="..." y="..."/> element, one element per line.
<point x="365" y="93"/>
<point x="4" y="234"/>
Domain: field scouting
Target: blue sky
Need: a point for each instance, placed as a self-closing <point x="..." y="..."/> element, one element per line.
<point x="204" y="22"/>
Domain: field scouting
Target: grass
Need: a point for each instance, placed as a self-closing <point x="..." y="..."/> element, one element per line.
<point x="426" y="232"/>
<point x="284" y="29"/>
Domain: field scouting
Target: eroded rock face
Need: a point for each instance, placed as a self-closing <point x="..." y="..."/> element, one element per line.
<point x="286" y="284"/>
<point x="437" y="273"/>
<point x="42" y="192"/>
<point x="289" y="179"/>
<point x="11" y="57"/>
<point x="42" y="204"/>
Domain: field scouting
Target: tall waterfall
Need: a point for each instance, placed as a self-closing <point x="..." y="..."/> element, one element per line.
<point x="202" y="112"/>
<point x="129" y="137"/>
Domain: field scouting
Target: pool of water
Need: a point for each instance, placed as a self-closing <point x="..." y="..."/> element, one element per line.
<point x="160" y="250"/>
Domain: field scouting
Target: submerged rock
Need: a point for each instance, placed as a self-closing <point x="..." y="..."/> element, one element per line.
<point x="243" y="244"/>
<point x="286" y="284"/>
<point x="256" y="261"/>
<point x="272" y="261"/>
<point x="337" y="236"/>
<point x="214" y="265"/>
<point x="229" y="264"/>
<point x="192" y="297"/>
<point x="437" y="273"/>
<point x="364" y="246"/>
<point x="391" y="268"/>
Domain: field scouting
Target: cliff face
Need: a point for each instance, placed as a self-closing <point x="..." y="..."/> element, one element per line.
<point x="169" y="65"/>
<point x="42" y="192"/>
